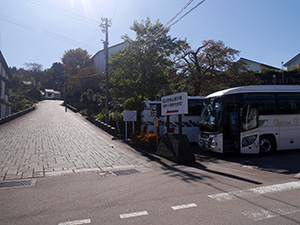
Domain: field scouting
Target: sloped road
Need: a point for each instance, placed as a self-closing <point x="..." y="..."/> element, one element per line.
<point x="50" y="142"/>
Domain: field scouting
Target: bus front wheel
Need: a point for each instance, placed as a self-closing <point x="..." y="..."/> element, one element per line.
<point x="266" y="144"/>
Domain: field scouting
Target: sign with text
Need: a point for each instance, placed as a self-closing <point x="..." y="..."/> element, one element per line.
<point x="174" y="104"/>
<point x="129" y="115"/>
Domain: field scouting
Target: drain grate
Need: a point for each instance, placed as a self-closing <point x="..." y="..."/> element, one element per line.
<point x="17" y="183"/>
<point x="125" y="172"/>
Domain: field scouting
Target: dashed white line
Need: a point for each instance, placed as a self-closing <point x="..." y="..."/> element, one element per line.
<point x="76" y="222"/>
<point x="177" y="207"/>
<point x="256" y="191"/>
<point x="135" y="214"/>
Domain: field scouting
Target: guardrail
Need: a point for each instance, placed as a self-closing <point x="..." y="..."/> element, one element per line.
<point x="106" y="127"/>
<point x="16" y="115"/>
<point x="72" y="108"/>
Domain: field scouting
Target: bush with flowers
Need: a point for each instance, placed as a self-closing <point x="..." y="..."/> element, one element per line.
<point x="145" y="140"/>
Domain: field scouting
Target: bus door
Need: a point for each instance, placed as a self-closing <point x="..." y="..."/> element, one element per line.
<point x="231" y="128"/>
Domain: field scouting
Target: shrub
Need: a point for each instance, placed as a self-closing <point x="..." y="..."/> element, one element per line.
<point x="145" y="140"/>
<point x="115" y="120"/>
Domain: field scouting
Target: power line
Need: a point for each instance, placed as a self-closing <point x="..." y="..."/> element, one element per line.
<point x="166" y="26"/>
<point x="187" y="13"/>
<point x="115" y="10"/>
<point x="65" y="12"/>
<point x="93" y="37"/>
<point x="45" y="32"/>
<point x="70" y="14"/>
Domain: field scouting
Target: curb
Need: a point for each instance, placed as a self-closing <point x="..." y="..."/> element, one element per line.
<point x="297" y="176"/>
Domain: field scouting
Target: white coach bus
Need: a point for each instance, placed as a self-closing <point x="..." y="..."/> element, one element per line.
<point x="251" y="119"/>
<point x="190" y="122"/>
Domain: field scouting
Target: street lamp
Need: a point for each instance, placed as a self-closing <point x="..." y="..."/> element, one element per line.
<point x="274" y="76"/>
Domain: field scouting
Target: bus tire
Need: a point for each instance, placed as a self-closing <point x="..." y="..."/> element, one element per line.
<point x="266" y="144"/>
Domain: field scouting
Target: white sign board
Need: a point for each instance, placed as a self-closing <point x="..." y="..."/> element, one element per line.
<point x="174" y="104"/>
<point x="129" y="115"/>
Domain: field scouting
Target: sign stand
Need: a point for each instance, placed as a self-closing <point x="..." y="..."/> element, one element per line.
<point x="175" y="146"/>
<point x="168" y="124"/>
<point x="156" y="124"/>
<point x="180" y="124"/>
<point x="129" y="115"/>
<point x="126" y="131"/>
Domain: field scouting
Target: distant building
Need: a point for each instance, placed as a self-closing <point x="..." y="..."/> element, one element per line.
<point x="51" y="94"/>
<point x="27" y="82"/>
<point x="5" y="106"/>
<point x="293" y="63"/>
<point x="256" y="66"/>
<point x="99" y="57"/>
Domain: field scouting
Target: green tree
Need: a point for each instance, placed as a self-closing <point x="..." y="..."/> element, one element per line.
<point x="203" y="70"/>
<point x="81" y="73"/>
<point x="58" y="74"/>
<point x="141" y="71"/>
<point x="91" y="101"/>
<point x="75" y="59"/>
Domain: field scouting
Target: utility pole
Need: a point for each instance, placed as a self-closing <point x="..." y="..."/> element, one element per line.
<point x="104" y="25"/>
<point x="66" y="94"/>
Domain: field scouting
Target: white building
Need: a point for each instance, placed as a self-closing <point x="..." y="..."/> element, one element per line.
<point x="293" y="63"/>
<point x="99" y="57"/>
<point x="5" y="106"/>
<point x="51" y="94"/>
<point x="256" y="66"/>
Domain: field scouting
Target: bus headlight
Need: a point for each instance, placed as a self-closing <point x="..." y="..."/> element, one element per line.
<point x="213" y="143"/>
<point x="249" y="140"/>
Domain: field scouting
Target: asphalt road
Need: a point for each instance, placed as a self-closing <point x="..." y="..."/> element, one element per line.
<point x="166" y="195"/>
<point x="145" y="189"/>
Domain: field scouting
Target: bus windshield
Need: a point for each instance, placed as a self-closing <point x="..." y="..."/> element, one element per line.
<point x="211" y="115"/>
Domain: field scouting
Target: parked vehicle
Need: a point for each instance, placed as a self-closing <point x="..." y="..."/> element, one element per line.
<point x="251" y="119"/>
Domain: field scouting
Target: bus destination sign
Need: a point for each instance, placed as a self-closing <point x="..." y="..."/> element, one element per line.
<point x="174" y="104"/>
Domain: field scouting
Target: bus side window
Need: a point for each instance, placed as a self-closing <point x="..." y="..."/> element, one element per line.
<point x="249" y="117"/>
<point x="289" y="103"/>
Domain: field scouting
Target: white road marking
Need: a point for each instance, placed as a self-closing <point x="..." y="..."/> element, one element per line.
<point x="135" y="214"/>
<point x="256" y="191"/>
<point x="184" y="206"/>
<point x="76" y="222"/>
<point x="263" y="214"/>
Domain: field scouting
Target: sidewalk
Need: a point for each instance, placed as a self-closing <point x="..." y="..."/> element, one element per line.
<point x="50" y="142"/>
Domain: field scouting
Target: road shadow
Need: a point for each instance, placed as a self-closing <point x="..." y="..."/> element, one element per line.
<point x="283" y="162"/>
<point x="175" y="170"/>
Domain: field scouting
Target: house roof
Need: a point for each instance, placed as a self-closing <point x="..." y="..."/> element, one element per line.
<point x="291" y="60"/>
<point x="262" y="64"/>
<point x="52" y="91"/>
<point x="3" y="62"/>
<point x="108" y="48"/>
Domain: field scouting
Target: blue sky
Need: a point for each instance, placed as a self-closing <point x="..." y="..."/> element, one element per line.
<point x="40" y="31"/>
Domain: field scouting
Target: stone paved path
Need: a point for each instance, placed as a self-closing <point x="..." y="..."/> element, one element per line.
<point x="49" y="142"/>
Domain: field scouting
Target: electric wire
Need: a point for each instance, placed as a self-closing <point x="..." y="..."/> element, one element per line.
<point x="115" y="10"/>
<point x="44" y="32"/>
<point x="72" y="15"/>
<point x="94" y="37"/>
<point x="177" y="14"/>
<point x="166" y="26"/>
<point x="65" y="12"/>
